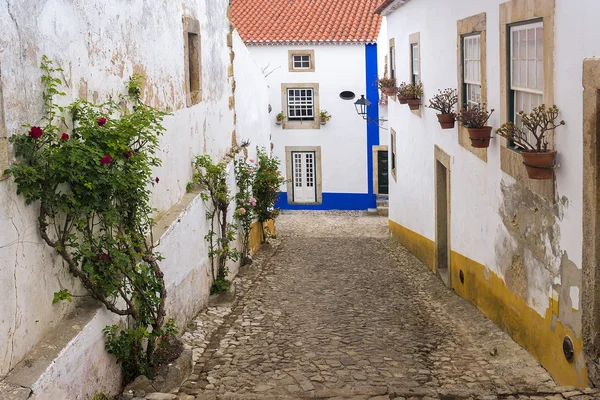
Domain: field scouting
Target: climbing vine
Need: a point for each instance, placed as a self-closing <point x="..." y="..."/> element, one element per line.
<point x="265" y="188"/>
<point x="91" y="182"/>
<point x="245" y="203"/>
<point x="212" y="179"/>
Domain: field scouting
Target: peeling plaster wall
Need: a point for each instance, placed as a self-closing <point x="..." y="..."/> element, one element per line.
<point x="99" y="46"/>
<point x="535" y="246"/>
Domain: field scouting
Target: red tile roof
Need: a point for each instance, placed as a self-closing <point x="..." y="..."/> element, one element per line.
<point x="285" y="21"/>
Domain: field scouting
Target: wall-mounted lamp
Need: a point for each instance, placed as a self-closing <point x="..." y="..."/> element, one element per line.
<point x="362" y="106"/>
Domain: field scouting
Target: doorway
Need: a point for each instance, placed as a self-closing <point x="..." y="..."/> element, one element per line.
<point x="383" y="179"/>
<point x="304" y="177"/>
<point x="442" y="221"/>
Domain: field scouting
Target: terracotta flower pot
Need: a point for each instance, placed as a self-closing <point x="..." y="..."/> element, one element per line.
<point x="480" y="137"/>
<point x="414" y="104"/>
<point x="402" y="100"/>
<point x="388" y="91"/>
<point x="446" y="120"/>
<point x="323" y="121"/>
<point x="278" y="122"/>
<point x="539" y="165"/>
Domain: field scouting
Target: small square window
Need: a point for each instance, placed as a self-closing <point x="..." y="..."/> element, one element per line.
<point x="301" y="61"/>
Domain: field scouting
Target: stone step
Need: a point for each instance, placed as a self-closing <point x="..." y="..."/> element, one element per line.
<point x="372" y="211"/>
<point x="383" y="203"/>
<point x="383" y="211"/>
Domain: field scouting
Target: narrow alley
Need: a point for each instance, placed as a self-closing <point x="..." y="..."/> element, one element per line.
<point x="342" y="311"/>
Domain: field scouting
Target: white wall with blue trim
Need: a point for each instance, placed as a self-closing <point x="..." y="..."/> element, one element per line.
<point x="346" y="140"/>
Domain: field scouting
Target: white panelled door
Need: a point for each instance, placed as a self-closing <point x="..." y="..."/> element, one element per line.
<point x="304" y="177"/>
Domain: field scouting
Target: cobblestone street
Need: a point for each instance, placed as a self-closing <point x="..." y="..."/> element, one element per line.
<point x="342" y="311"/>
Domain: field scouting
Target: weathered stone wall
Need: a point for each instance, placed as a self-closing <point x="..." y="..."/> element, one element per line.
<point x="99" y="46"/>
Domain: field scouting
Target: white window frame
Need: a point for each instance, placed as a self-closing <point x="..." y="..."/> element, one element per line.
<point x="393" y="61"/>
<point x="301" y="61"/>
<point x="297" y="102"/>
<point x="472" y="68"/>
<point x="415" y="62"/>
<point x="535" y="95"/>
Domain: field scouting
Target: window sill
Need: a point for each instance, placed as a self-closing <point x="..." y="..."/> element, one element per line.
<point x="301" y="125"/>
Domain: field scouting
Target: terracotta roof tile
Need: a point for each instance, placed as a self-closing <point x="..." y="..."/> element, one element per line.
<point x="260" y="21"/>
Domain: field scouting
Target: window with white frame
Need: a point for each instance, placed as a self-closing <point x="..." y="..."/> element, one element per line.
<point x="301" y="105"/>
<point x="414" y="50"/>
<point x="472" y="69"/>
<point x="301" y="61"/>
<point x="392" y="61"/>
<point x="526" y="69"/>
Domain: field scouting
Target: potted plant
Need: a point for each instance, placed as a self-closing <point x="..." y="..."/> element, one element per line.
<point x="280" y="118"/>
<point x="403" y="92"/>
<point x="474" y="119"/>
<point x="387" y="86"/>
<point x="444" y="102"/>
<point x="325" y="116"/>
<point x="415" y="93"/>
<point x="538" y="160"/>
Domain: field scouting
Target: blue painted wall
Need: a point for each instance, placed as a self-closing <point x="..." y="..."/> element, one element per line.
<point x="331" y="201"/>
<point x="354" y="201"/>
<point x="373" y="114"/>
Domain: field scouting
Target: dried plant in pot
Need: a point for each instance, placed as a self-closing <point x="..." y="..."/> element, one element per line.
<point x="280" y="118"/>
<point x="387" y="86"/>
<point x="444" y="102"/>
<point x="403" y="92"/>
<point x="415" y="93"/>
<point x="475" y="119"/>
<point x="538" y="160"/>
<point x="324" y="116"/>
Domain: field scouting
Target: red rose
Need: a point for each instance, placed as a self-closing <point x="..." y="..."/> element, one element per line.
<point x="128" y="154"/>
<point x="101" y="121"/>
<point x="64" y="137"/>
<point x="157" y="180"/>
<point x="105" y="160"/>
<point x="103" y="257"/>
<point x="35" y="132"/>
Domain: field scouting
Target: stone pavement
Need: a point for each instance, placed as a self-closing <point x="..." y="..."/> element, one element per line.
<point x="341" y="311"/>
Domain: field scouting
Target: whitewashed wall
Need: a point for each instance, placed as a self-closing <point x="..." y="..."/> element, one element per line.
<point x="476" y="198"/>
<point x="343" y="140"/>
<point x="383" y="51"/>
<point x="99" y="46"/>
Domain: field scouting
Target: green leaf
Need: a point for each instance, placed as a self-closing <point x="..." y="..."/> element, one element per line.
<point x="62" y="295"/>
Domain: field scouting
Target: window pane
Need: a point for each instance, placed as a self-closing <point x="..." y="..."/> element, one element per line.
<point x="531" y="53"/>
<point x="540" y="42"/>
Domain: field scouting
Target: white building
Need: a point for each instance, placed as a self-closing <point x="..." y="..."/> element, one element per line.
<point x="524" y="251"/>
<point x="57" y="350"/>
<point x="320" y="56"/>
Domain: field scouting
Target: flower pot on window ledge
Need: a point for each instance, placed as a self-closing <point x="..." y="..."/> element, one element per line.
<point x="402" y="100"/>
<point x="539" y="165"/>
<point x="323" y="121"/>
<point x="414" y="104"/>
<point x="480" y="137"/>
<point x="446" y="120"/>
<point x="389" y="91"/>
<point x="278" y="122"/>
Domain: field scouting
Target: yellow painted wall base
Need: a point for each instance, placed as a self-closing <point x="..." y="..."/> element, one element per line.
<point x="256" y="235"/>
<point x="537" y="334"/>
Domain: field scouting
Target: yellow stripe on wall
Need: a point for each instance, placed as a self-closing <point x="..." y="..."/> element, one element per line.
<point x="482" y="287"/>
<point x="256" y="235"/>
